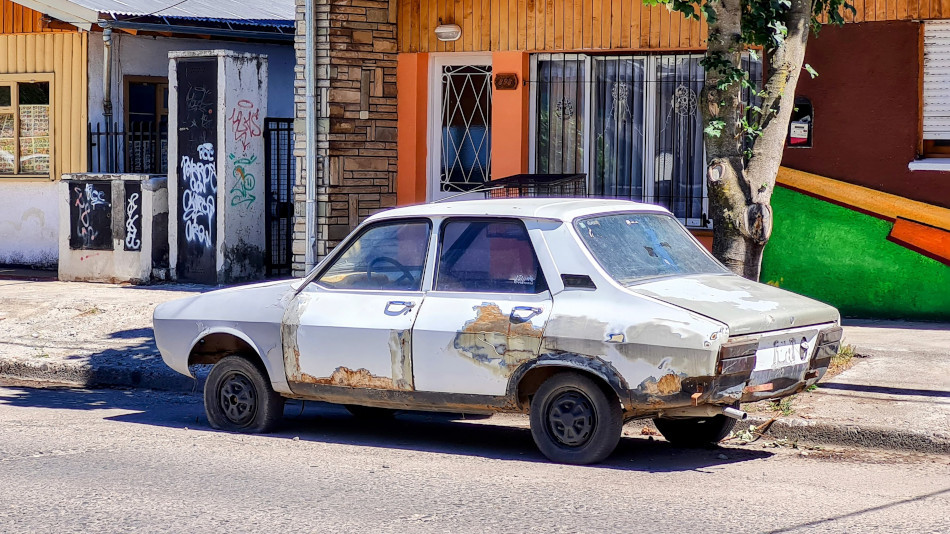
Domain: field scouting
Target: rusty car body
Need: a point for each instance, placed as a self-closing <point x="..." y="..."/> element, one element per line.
<point x="583" y="313"/>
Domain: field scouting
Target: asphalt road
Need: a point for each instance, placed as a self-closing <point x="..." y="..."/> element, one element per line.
<point x="120" y="461"/>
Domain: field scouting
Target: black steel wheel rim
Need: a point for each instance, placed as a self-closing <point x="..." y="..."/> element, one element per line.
<point x="571" y="418"/>
<point x="238" y="399"/>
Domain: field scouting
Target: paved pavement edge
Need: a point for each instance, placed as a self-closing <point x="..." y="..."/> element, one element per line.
<point x="97" y="376"/>
<point x="851" y="435"/>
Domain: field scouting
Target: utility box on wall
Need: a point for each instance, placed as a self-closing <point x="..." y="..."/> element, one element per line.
<point x="113" y="228"/>
<point x="217" y="106"/>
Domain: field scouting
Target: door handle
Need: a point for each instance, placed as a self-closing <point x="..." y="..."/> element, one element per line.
<point x="523" y="314"/>
<point x="399" y="307"/>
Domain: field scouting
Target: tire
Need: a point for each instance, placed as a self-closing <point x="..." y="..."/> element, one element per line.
<point x="695" y="431"/>
<point x="239" y="397"/>
<point x="574" y="421"/>
<point x="369" y="412"/>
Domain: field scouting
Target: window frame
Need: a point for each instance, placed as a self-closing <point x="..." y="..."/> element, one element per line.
<point x="13" y="81"/>
<point x="340" y="250"/>
<point x="160" y="83"/>
<point x="650" y="64"/>
<point x="437" y="258"/>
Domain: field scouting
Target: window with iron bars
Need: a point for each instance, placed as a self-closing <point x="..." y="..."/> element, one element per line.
<point x="632" y="123"/>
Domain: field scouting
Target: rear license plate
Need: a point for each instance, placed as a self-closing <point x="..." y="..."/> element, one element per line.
<point x="783" y="349"/>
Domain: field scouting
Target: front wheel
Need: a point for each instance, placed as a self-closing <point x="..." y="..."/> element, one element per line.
<point x="574" y="421"/>
<point x="695" y="431"/>
<point x="239" y="397"/>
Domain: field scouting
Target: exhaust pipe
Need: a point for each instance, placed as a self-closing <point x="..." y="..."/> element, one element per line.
<point x="734" y="413"/>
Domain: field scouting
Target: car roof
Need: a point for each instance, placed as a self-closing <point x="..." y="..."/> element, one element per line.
<point x="559" y="209"/>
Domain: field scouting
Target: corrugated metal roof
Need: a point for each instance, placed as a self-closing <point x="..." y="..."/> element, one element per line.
<point x="249" y="11"/>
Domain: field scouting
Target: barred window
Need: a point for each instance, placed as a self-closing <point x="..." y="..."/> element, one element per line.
<point x="631" y="123"/>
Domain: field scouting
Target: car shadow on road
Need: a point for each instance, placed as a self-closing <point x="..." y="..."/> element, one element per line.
<point x="496" y="438"/>
<point x="499" y="438"/>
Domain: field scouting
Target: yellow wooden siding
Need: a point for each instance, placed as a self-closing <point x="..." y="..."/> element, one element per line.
<point x="496" y="25"/>
<point x="565" y="25"/>
<point x="64" y="55"/>
<point x="15" y="18"/>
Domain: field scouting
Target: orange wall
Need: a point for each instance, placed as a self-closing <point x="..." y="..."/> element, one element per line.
<point x="509" y="121"/>
<point x="412" y="73"/>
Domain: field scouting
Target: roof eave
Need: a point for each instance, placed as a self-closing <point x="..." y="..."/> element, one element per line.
<point x="65" y="11"/>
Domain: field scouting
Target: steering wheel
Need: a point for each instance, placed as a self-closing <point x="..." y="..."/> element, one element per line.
<point x="406" y="274"/>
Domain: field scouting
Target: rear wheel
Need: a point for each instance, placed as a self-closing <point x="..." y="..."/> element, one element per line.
<point x="695" y="431"/>
<point x="574" y="421"/>
<point x="239" y="397"/>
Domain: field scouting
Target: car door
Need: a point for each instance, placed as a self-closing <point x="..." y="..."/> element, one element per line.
<point x="486" y="311"/>
<point x="355" y="318"/>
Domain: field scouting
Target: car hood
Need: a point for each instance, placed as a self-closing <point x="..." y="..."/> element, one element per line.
<point x="746" y="307"/>
<point x="261" y="302"/>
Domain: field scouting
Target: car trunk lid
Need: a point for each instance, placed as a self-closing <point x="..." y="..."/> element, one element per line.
<point x="746" y="307"/>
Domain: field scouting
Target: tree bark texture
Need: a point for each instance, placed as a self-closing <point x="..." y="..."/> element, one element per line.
<point x="740" y="189"/>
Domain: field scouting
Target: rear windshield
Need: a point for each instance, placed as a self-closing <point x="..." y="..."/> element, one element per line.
<point x="635" y="246"/>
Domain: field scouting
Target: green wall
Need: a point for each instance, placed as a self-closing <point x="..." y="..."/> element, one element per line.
<point x="842" y="257"/>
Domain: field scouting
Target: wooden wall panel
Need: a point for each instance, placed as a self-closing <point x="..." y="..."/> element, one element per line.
<point x="15" y="18"/>
<point x="64" y="54"/>
<point x="574" y="25"/>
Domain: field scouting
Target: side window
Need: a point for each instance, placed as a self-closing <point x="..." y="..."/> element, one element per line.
<point x="387" y="256"/>
<point x="488" y="256"/>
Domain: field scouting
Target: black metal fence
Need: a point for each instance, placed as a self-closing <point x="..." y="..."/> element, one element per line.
<point x="279" y="204"/>
<point x="141" y="149"/>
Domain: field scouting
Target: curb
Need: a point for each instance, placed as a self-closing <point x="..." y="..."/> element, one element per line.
<point x="830" y="433"/>
<point x="98" y="376"/>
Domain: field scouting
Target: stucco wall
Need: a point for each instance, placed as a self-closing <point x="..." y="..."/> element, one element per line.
<point x="225" y="189"/>
<point x="29" y="223"/>
<point x="148" y="56"/>
<point x="866" y="105"/>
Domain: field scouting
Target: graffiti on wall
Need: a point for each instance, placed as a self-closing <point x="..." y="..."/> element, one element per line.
<point x="90" y="211"/>
<point x="245" y="123"/>
<point x="197" y="182"/>
<point x="245" y="126"/>
<point x="198" y="99"/>
<point x="133" y="216"/>
<point x="200" y="183"/>
<point x="243" y="187"/>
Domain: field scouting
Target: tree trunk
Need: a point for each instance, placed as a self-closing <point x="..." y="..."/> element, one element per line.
<point x="740" y="193"/>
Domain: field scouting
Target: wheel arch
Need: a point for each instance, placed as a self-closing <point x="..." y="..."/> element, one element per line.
<point x="214" y="344"/>
<point x="527" y="378"/>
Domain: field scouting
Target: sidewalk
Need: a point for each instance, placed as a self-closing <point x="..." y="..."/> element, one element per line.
<point x="896" y="395"/>
<point x="85" y="334"/>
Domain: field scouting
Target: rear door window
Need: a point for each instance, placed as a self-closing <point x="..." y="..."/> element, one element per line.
<point x="488" y="255"/>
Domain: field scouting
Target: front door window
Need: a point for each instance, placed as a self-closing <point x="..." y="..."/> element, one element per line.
<point x="386" y="257"/>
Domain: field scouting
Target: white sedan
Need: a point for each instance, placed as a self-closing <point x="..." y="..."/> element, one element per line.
<point x="583" y="313"/>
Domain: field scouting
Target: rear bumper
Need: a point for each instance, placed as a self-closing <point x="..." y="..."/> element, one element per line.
<point x="737" y="381"/>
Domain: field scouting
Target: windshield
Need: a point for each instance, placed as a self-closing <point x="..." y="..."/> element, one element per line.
<point x="636" y="246"/>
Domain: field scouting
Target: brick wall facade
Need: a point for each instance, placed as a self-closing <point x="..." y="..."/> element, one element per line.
<point x="356" y="119"/>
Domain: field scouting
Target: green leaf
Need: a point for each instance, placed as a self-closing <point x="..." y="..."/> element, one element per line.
<point x="714" y="129"/>
<point x="812" y="71"/>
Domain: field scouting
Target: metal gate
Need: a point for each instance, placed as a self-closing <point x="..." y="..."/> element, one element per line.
<point x="279" y="205"/>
